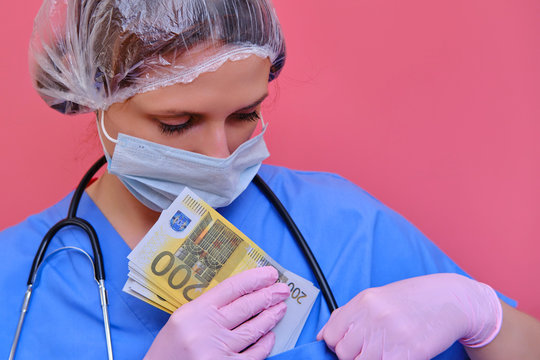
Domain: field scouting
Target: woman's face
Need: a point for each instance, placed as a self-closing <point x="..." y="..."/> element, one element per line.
<point x="212" y="115"/>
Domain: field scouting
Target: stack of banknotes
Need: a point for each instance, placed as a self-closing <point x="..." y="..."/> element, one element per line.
<point x="191" y="248"/>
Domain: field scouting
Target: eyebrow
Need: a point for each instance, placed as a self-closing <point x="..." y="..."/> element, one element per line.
<point x="256" y="103"/>
<point x="175" y="112"/>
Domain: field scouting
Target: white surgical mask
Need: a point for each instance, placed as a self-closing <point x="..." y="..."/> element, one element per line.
<point x="156" y="174"/>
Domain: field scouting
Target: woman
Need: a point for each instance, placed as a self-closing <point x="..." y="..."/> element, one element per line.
<point x="182" y="82"/>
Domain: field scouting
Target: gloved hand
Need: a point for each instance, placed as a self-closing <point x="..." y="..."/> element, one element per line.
<point x="414" y="319"/>
<point x="223" y="321"/>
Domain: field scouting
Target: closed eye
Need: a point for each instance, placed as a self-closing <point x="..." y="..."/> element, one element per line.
<point x="170" y="129"/>
<point x="168" y="125"/>
<point x="252" y="116"/>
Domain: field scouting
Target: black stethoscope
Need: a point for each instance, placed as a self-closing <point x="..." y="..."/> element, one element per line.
<point x="97" y="262"/>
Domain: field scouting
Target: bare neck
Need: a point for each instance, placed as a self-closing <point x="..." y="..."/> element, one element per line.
<point x="130" y="218"/>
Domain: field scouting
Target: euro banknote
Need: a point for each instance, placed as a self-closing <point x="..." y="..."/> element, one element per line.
<point x="192" y="248"/>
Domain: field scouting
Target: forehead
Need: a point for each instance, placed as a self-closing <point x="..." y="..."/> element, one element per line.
<point x="232" y="85"/>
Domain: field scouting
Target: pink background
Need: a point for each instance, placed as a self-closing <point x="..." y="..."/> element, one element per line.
<point x="431" y="106"/>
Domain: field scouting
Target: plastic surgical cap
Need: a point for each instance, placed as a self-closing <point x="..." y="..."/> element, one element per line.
<point x="88" y="54"/>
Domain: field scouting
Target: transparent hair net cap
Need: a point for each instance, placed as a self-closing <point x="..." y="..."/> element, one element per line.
<point x="88" y="54"/>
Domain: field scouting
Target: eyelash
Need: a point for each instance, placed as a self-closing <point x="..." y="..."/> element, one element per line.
<point x="180" y="128"/>
<point x="171" y="129"/>
<point x="252" y="116"/>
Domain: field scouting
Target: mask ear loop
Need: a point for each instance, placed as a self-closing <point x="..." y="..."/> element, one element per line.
<point x="104" y="131"/>
<point x="263" y="124"/>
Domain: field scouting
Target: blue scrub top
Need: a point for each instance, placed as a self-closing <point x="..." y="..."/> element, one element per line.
<point x="359" y="243"/>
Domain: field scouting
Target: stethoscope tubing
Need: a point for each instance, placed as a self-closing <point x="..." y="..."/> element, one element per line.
<point x="72" y="219"/>
<point x="300" y="240"/>
<point x="99" y="271"/>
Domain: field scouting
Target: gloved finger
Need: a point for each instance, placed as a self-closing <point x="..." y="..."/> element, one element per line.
<point x="253" y="329"/>
<point x="335" y="328"/>
<point x="249" y="305"/>
<point x="372" y="348"/>
<point x="261" y="349"/>
<point x="320" y="335"/>
<point x="351" y="344"/>
<point x="240" y="284"/>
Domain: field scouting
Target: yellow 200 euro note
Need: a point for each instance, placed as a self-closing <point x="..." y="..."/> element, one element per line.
<point x="191" y="248"/>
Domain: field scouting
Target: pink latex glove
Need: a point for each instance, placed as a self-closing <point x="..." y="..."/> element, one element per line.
<point x="414" y="319"/>
<point x="222" y="322"/>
